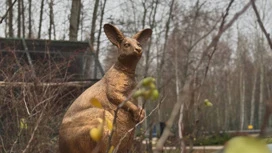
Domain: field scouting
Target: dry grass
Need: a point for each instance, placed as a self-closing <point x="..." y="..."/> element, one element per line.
<point x="30" y="114"/>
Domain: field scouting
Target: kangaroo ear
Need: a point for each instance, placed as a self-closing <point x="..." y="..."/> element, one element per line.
<point x="143" y="35"/>
<point x="114" y="34"/>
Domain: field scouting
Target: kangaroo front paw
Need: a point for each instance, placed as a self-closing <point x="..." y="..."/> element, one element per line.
<point x="139" y="115"/>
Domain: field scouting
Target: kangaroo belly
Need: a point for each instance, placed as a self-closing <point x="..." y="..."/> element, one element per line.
<point x="75" y="132"/>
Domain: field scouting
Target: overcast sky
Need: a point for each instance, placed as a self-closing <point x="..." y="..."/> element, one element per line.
<point x="115" y="10"/>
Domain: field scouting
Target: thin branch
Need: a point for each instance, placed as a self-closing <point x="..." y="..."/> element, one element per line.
<point x="116" y="113"/>
<point x="130" y="130"/>
<point x="220" y="32"/>
<point x="185" y="93"/>
<point x="35" y="129"/>
<point x="185" y="96"/>
<point x="202" y="37"/>
<point x="15" y="142"/>
<point x="225" y="15"/>
<point x="24" y="99"/>
<point x="261" y="24"/>
<point x="3" y="145"/>
<point x="6" y="14"/>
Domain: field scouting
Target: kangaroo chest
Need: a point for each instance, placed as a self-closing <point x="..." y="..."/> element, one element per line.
<point x="121" y="81"/>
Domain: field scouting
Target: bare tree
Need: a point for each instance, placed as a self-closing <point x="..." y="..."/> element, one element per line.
<point x="74" y="19"/>
<point x="29" y="18"/>
<point x="41" y="19"/>
<point x="252" y="103"/>
<point x="186" y="90"/>
<point x="261" y="94"/>
<point x="98" y="37"/>
<point x="23" y="18"/>
<point x="152" y="25"/>
<point x="2" y="18"/>
<point x="94" y="18"/>
<point x="51" y="20"/>
<point x="100" y="28"/>
<point x="268" y="37"/>
<point x="19" y="19"/>
<point x="10" y="18"/>
<point x="241" y="58"/>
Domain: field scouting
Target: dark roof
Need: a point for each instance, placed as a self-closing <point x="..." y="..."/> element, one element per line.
<point x="34" y="49"/>
<point x="42" y="45"/>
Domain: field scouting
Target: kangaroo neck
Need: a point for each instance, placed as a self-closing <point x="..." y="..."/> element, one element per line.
<point x="126" y="66"/>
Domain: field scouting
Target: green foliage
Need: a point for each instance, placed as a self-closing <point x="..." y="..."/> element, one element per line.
<point x="216" y="139"/>
<point x="208" y="103"/>
<point x="147" y="90"/>
<point x="246" y="144"/>
<point x="268" y="140"/>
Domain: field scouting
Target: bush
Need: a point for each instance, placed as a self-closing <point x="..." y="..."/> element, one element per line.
<point x="31" y="109"/>
<point x="268" y="140"/>
<point x="214" y="139"/>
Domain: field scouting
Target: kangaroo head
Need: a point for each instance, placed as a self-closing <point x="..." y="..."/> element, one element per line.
<point x="129" y="49"/>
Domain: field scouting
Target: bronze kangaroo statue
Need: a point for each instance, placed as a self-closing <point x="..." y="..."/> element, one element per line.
<point x="110" y="91"/>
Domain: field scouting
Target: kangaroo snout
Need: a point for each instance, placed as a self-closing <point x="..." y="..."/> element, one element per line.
<point x="138" y="50"/>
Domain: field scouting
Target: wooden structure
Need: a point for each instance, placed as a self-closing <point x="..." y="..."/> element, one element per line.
<point x="80" y="62"/>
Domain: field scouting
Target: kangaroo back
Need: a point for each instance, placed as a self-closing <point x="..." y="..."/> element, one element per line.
<point x="110" y="91"/>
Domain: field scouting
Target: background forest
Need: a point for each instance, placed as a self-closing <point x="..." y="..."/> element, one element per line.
<point x="200" y="50"/>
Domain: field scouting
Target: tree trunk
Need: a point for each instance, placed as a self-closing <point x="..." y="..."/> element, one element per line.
<point x="228" y="106"/>
<point x="10" y="18"/>
<point x="92" y="38"/>
<point x="166" y="33"/>
<point x="98" y="38"/>
<point x="19" y="19"/>
<point x="144" y="14"/>
<point x="88" y="61"/>
<point x="81" y="23"/>
<point x="181" y="111"/>
<point x="51" y="20"/>
<point x="252" y="104"/>
<point x="29" y="19"/>
<point x="149" y="44"/>
<point x="41" y="19"/>
<point x="160" y="62"/>
<point x="100" y="28"/>
<point x="74" y="19"/>
<point x="242" y="100"/>
<point x="261" y="105"/>
<point x="23" y="18"/>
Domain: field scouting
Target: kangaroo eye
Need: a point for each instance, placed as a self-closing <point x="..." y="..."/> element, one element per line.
<point x="126" y="44"/>
<point x="139" y="44"/>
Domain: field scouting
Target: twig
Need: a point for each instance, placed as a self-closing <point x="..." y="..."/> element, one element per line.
<point x="3" y="145"/>
<point x="186" y="89"/>
<point x="24" y="99"/>
<point x="215" y="45"/>
<point x="225" y="15"/>
<point x="202" y="37"/>
<point x="130" y="130"/>
<point x="261" y="23"/>
<point x="184" y="98"/>
<point x="6" y="14"/>
<point x="220" y="32"/>
<point x="116" y="113"/>
<point x="35" y="129"/>
<point x="15" y="142"/>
